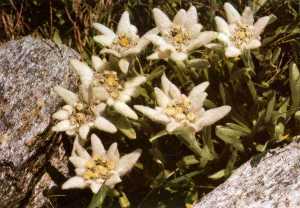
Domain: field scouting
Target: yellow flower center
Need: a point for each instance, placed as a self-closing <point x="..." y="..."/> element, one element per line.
<point x="81" y="115"/>
<point x="98" y="168"/>
<point x="124" y="41"/>
<point x="110" y="81"/>
<point x="179" y="36"/>
<point x="180" y="110"/>
<point x="242" y="35"/>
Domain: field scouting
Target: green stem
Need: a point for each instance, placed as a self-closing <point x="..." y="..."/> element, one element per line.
<point x="98" y="199"/>
<point x="190" y="141"/>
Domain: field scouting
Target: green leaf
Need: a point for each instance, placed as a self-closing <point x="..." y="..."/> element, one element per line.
<point x="244" y="130"/>
<point x="190" y="160"/>
<point x="230" y="136"/>
<point x="294" y="76"/>
<point x="218" y="175"/>
<point x="56" y="38"/>
<point x="158" y="135"/>
<point x="123" y="201"/>
<point x="270" y="109"/>
<point x="125" y="127"/>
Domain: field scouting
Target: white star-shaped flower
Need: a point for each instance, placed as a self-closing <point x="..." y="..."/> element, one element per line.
<point x="241" y="32"/>
<point x="101" y="167"/>
<point x="79" y="116"/>
<point x="124" y="43"/>
<point x="107" y="85"/>
<point x="181" y="113"/>
<point x="178" y="38"/>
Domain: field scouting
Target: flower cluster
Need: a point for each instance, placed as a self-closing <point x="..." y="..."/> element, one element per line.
<point x="107" y="86"/>
<point x="102" y="167"/>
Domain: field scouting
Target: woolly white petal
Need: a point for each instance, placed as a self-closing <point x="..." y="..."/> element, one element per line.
<point x="197" y="95"/>
<point x="232" y="51"/>
<point x="113" y="153"/>
<point x="113" y="180"/>
<point x="132" y="51"/>
<point x="253" y="44"/>
<point x="95" y="186"/>
<point x="125" y="110"/>
<point x="69" y="97"/>
<point x="141" y="44"/>
<point x="191" y="16"/>
<point x="61" y="115"/>
<point x="260" y="25"/>
<point x="172" y="126"/>
<point x="130" y="88"/>
<point x="162" y="21"/>
<point x="83" y="70"/>
<point x="197" y="102"/>
<point x="127" y="162"/>
<point x="100" y="93"/>
<point x="162" y="99"/>
<point x="180" y="17"/>
<point x="68" y="108"/>
<point x="126" y="94"/>
<point x="104" y="40"/>
<point x="80" y="171"/>
<point x="74" y="182"/>
<point x="103" y="124"/>
<point x="178" y="56"/>
<point x="103" y="29"/>
<point x="154" y="56"/>
<point x="133" y="29"/>
<point x="124" y="24"/>
<point x="84" y="131"/>
<point x="80" y="151"/>
<point x="194" y="30"/>
<point x="222" y="25"/>
<point x="152" y="114"/>
<point x="78" y="162"/>
<point x="123" y="65"/>
<point x="98" y="63"/>
<point x="212" y="115"/>
<point x="203" y="39"/>
<point x="224" y="38"/>
<point x="198" y="89"/>
<point x="135" y="82"/>
<point x="169" y="88"/>
<point x="62" y="126"/>
<point x="158" y="41"/>
<point x="98" y="109"/>
<point x="247" y="16"/>
<point x="97" y="146"/>
<point x="110" y="51"/>
<point x="233" y="16"/>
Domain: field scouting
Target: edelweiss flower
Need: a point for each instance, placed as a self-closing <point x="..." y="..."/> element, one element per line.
<point x="107" y="86"/>
<point x="180" y="37"/>
<point x="102" y="167"/>
<point x="124" y="43"/>
<point x="78" y="116"/>
<point x="240" y="33"/>
<point x="181" y="113"/>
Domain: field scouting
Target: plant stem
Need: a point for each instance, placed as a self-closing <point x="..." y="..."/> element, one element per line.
<point x="190" y="141"/>
<point x="98" y="199"/>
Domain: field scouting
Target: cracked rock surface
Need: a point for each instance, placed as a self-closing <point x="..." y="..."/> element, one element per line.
<point x="29" y="69"/>
<point x="271" y="182"/>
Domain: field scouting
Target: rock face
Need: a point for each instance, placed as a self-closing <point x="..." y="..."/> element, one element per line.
<point x="273" y="181"/>
<point x="29" y="69"/>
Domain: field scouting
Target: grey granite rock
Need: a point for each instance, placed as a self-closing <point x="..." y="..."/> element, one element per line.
<point x="274" y="182"/>
<point x="29" y="69"/>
